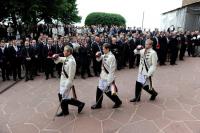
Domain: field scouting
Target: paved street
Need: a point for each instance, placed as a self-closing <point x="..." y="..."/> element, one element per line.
<point x="29" y="107"/>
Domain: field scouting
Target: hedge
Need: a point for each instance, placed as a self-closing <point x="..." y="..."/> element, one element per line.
<point x="96" y="18"/>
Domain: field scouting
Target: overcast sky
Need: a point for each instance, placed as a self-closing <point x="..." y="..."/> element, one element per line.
<point x="132" y="10"/>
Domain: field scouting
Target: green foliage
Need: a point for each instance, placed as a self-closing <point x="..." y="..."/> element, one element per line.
<point x="30" y="12"/>
<point x="96" y="18"/>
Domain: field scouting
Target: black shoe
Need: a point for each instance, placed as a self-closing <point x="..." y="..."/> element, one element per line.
<point x="90" y="75"/>
<point x="80" y="107"/>
<point x="97" y="75"/>
<point x="61" y="114"/>
<point x="135" y="100"/>
<point x="99" y="99"/>
<point x="8" y="78"/>
<point x="95" y="106"/>
<point x="82" y="77"/>
<point x="15" y="79"/>
<point x="20" y="78"/>
<point x="4" y="79"/>
<point x="173" y="64"/>
<point x="31" y="78"/>
<point x="162" y="64"/>
<point x="47" y="78"/>
<point x="37" y="74"/>
<point x="153" y="96"/>
<point x="26" y="79"/>
<point x="53" y="76"/>
<point x="138" y="88"/>
<point x="117" y="105"/>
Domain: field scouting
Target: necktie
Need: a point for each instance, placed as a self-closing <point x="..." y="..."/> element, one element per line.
<point x="27" y="52"/>
<point x="99" y="48"/>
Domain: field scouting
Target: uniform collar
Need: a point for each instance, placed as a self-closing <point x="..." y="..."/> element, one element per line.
<point x="70" y="56"/>
<point x="149" y="49"/>
<point x="108" y="53"/>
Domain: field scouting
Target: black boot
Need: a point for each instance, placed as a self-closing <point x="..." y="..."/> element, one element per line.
<point x="152" y="92"/>
<point x="64" y="107"/>
<point x="77" y="103"/>
<point x="115" y="99"/>
<point x="99" y="99"/>
<point x="138" y="88"/>
<point x="59" y="97"/>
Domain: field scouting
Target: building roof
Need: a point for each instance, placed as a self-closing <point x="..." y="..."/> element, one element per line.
<point x="181" y="7"/>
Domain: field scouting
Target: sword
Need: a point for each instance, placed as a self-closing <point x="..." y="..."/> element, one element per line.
<point x="150" y="86"/>
<point x="102" y="95"/>
<point x="140" y="93"/>
<point x="74" y="95"/>
<point x="57" y="110"/>
<point x="74" y="92"/>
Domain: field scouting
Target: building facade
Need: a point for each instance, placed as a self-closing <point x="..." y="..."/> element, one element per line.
<point x="184" y="18"/>
<point x="188" y="2"/>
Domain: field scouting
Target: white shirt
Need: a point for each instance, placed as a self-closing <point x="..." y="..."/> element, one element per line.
<point x="16" y="48"/>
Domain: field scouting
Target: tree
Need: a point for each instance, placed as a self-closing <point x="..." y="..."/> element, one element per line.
<point x="30" y="12"/>
<point x="96" y="18"/>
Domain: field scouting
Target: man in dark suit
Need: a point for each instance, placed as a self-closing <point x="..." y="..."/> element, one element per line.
<point x="28" y="55"/>
<point x="131" y="47"/>
<point x="35" y="59"/>
<point x="96" y="47"/>
<point x="40" y="45"/>
<point x="117" y="50"/>
<point x="183" y="46"/>
<point x="173" y="47"/>
<point x="7" y="61"/>
<point x="48" y="51"/>
<point x="15" y="60"/>
<point x="58" y="46"/>
<point x="162" y="48"/>
<point x="189" y="43"/>
<point x="2" y="60"/>
<point x="84" y="55"/>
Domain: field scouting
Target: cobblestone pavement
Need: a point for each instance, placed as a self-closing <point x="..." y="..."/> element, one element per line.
<point x="29" y="107"/>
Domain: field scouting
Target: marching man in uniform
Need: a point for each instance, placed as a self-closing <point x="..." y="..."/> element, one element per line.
<point x="66" y="81"/>
<point x="148" y="63"/>
<point x="107" y="78"/>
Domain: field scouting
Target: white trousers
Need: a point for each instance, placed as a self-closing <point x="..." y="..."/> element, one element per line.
<point x="103" y="85"/>
<point x="143" y="79"/>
